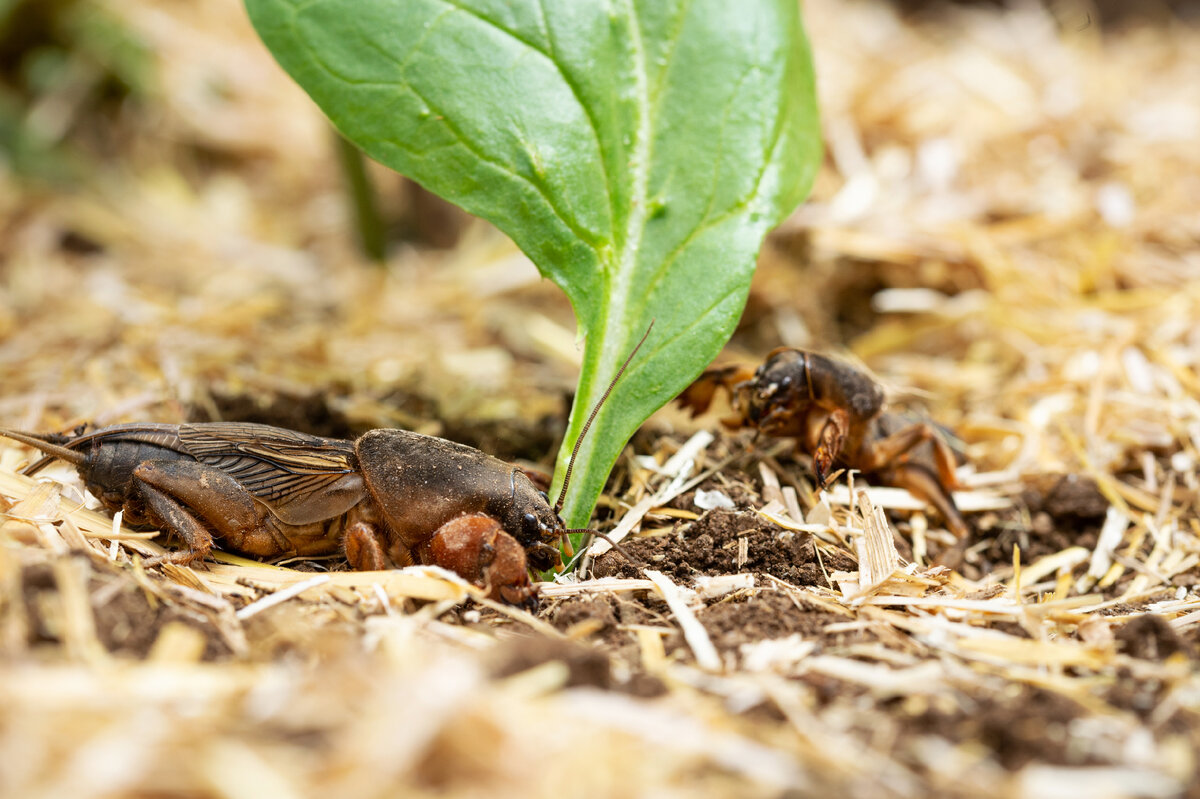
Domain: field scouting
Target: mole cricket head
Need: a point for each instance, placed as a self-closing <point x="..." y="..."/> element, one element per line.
<point x="779" y="389"/>
<point x="534" y="523"/>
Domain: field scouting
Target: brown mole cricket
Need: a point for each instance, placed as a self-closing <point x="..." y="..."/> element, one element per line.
<point x="836" y="414"/>
<point x="389" y="498"/>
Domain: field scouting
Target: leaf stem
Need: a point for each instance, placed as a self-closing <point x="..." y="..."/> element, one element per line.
<point x="371" y="235"/>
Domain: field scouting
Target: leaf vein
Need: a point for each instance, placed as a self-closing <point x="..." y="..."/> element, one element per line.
<point x="704" y="225"/>
<point x="572" y="85"/>
<point x="470" y="146"/>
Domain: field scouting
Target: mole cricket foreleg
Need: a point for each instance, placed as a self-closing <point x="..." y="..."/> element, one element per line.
<point x="829" y="441"/>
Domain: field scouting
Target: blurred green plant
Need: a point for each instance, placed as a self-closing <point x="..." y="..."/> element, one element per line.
<point x="59" y="61"/>
<point x="637" y="153"/>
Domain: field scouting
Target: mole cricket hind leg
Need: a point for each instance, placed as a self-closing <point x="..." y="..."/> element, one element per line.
<point x="176" y="519"/>
<point x="185" y="494"/>
<point x="921" y="482"/>
<point x="883" y="453"/>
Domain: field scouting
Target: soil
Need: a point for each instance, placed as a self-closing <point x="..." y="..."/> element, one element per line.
<point x="772" y="614"/>
<point x="1151" y="638"/>
<point x="1003" y="723"/>
<point x="308" y="413"/>
<point x="127" y="620"/>
<point x="710" y="546"/>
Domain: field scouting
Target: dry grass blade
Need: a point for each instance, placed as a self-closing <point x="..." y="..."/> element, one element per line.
<point x="693" y="632"/>
<point x="677" y="469"/>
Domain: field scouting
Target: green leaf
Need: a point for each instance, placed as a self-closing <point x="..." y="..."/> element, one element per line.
<point x="636" y="151"/>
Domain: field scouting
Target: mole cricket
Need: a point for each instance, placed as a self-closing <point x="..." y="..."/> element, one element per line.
<point x="836" y="413"/>
<point x="389" y="498"/>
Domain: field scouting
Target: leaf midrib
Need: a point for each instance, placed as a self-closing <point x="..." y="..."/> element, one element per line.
<point x="622" y="273"/>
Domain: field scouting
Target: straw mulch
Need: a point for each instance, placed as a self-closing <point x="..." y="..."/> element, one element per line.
<point x="1004" y="231"/>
